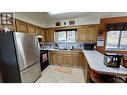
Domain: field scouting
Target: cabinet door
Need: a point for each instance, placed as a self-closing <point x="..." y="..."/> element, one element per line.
<point x="43" y="34"/>
<point x="75" y="59"/>
<point x="87" y="33"/>
<point x="93" y="34"/>
<point x="80" y="34"/>
<point x="80" y="59"/>
<point x="31" y="28"/>
<point x="38" y="30"/>
<point x="49" y="35"/>
<point x="41" y="31"/>
<point x="21" y="26"/>
<point x="68" y="59"/>
<point x="60" y="59"/>
<point x="83" y="34"/>
<point x="53" y="58"/>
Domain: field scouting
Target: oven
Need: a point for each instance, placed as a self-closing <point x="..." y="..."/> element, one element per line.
<point x="44" y="59"/>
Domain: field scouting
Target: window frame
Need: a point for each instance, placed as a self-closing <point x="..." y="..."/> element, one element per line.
<point x="119" y="43"/>
<point x="67" y="35"/>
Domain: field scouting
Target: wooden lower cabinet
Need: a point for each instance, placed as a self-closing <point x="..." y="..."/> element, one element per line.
<point x="86" y="70"/>
<point x="53" y="57"/>
<point x="66" y="58"/>
<point x="59" y="58"/>
<point x="75" y="60"/>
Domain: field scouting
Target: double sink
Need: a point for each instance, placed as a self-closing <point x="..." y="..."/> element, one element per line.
<point x="70" y="49"/>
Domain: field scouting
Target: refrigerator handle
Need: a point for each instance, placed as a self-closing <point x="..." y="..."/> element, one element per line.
<point x="38" y="46"/>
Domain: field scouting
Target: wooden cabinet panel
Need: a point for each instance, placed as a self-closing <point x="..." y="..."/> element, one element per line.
<point x="21" y="26"/>
<point x="86" y="70"/>
<point x="38" y="30"/>
<point x="87" y="33"/>
<point x="80" y="59"/>
<point x="53" y="58"/>
<point x="66" y="58"/>
<point x="93" y="33"/>
<point x="80" y="35"/>
<point x="41" y="31"/>
<point x="75" y="57"/>
<point x="43" y="34"/>
<point x="31" y="28"/>
<point x="83" y="34"/>
<point x="49" y="35"/>
<point x="60" y="59"/>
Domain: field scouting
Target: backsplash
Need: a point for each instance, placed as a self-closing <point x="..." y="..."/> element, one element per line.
<point x="70" y="45"/>
<point x="62" y="45"/>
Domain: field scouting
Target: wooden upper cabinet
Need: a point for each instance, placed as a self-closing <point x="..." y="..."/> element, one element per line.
<point x="83" y="34"/>
<point x="49" y="35"/>
<point x="43" y="34"/>
<point x="38" y="30"/>
<point x="41" y="31"/>
<point x="31" y="28"/>
<point x="87" y="33"/>
<point x="93" y="30"/>
<point x="21" y="26"/>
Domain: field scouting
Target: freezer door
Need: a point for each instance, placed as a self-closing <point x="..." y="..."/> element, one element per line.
<point x="31" y="74"/>
<point x="27" y="48"/>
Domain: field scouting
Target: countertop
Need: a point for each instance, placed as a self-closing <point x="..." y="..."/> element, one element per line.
<point x="95" y="61"/>
<point x="52" y="49"/>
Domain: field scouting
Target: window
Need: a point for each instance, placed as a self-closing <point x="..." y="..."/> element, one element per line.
<point x="6" y="18"/>
<point x="123" y="42"/>
<point x="61" y="36"/>
<point x="65" y="36"/>
<point x="116" y="40"/>
<point x="71" y="37"/>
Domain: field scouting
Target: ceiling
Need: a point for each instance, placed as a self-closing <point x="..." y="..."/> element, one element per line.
<point x="46" y="19"/>
<point x="71" y="15"/>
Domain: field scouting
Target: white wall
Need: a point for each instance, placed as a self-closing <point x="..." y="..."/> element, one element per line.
<point x="78" y="21"/>
<point x="33" y="18"/>
<point x="91" y="19"/>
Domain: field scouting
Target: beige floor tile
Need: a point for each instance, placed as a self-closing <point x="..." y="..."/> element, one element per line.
<point x="52" y="74"/>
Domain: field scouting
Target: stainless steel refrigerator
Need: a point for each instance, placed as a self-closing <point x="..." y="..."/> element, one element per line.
<point x="19" y="57"/>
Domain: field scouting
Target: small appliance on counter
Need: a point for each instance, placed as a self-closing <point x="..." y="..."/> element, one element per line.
<point x="56" y="46"/>
<point x="89" y="46"/>
<point x="112" y="59"/>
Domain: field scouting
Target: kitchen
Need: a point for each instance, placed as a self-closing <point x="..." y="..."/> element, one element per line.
<point x="74" y="47"/>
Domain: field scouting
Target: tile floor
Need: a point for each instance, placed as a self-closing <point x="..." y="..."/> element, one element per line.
<point x="60" y="74"/>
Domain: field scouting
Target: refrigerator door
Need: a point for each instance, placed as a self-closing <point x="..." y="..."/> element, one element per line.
<point x="27" y="48"/>
<point x="31" y="74"/>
